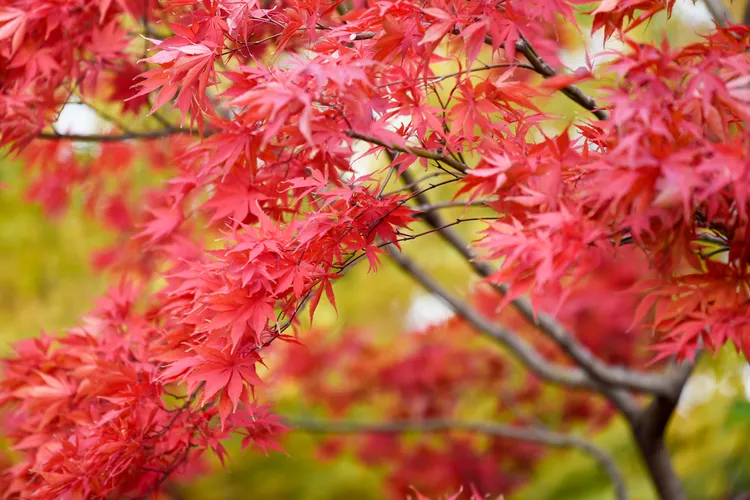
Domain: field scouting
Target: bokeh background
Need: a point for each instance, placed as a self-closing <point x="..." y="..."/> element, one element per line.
<point x="47" y="282"/>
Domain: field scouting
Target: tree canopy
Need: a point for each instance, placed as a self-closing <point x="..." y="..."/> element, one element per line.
<point x="255" y="154"/>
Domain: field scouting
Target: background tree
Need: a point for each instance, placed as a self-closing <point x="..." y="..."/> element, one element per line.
<point x="603" y="240"/>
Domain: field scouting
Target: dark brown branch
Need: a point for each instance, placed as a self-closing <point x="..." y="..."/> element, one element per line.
<point x="571" y="91"/>
<point x="423" y="153"/>
<point x="537" y="64"/>
<point x="545" y="70"/>
<point x="649" y="428"/>
<point x="431" y="207"/>
<point x="531" y="434"/>
<point x="150" y="135"/>
<point x="542" y="367"/>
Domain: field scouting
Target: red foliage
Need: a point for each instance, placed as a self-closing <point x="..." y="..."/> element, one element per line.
<point x="630" y="224"/>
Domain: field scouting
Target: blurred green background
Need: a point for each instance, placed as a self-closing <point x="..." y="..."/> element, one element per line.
<point x="46" y="283"/>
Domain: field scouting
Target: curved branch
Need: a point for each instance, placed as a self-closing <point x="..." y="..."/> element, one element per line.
<point x="550" y="327"/>
<point x="619" y="377"/>
<point x="542" y="367"/>
<point x="532" y="434"/>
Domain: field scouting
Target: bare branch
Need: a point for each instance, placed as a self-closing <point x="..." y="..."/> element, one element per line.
<point x="542" y="367"/>
<point x="431" y="207"/>
<point x="150" y="135"/>
<point x="532" y="434"/>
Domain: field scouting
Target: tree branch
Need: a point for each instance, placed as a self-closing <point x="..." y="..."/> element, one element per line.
<point x="720" y="13"/>
<point x="542" y="367"/>
<point x="545" y="70"/>
<point x="537" y="64"/>
<point x="571" y="91"/>
<point x="423" y="153"/>
<point x="550" y="327"/>
<point x="150" y="135"/>
<point x="649" y="428"/>
<point x="439" y="78"/>
<point x="431" y="207"/>
<point x="655" y="384"/>
<point x="532" y="434"/>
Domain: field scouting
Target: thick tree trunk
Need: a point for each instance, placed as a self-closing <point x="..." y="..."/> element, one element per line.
<point x="659" y="464"/>
<point x="649" y="429"/>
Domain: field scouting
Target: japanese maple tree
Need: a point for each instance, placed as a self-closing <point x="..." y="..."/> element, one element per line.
<point x="613" y="251"/>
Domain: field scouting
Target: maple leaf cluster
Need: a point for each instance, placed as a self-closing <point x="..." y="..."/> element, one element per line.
<point x="632" y="223"/>
<point x="90" y="415"/>
<point x="667" y="172"/>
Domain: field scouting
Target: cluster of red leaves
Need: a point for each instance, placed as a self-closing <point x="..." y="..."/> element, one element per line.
<point x="89" y="411"/>
<point x="47" y="48"/>
<point x="272" y="175"/>
<point x="668" y="172"/>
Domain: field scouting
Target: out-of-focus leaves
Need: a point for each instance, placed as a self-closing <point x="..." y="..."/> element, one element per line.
<point x="739" y="414"/>
<point x="45" y="278"/>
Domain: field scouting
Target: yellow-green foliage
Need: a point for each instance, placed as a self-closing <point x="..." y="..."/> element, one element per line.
<point x="45" y="278"/>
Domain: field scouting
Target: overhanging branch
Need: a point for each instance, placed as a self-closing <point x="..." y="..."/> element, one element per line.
<point x="531" y="434"/>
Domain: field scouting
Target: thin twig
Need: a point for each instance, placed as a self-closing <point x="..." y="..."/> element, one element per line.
<point x="431" y="207"/>
<point x="414" y="184"/>
<point x="486" y="67"/>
